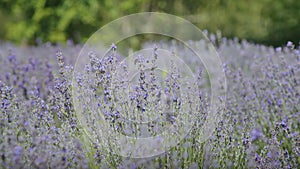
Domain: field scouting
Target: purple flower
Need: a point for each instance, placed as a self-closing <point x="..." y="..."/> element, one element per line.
<point x="113" y="47"/>
<point x="12" y="58"/>
<point x="279" y="102"/>
<point x="269" y="154"/>
<point x="278" y="49"/>
<point x="42" y="131"/>
<point x="290" y="45"/>
<point x="245" y="142"/>
<point x="18" y="150"/>
<point x="284" y="122"/>
<point x="256" y="134"/>
<point x="257" y="158"/>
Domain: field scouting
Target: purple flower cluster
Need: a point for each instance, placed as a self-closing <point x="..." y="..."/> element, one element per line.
<point x="37" y="130"/>
<point x="259" y="128"/>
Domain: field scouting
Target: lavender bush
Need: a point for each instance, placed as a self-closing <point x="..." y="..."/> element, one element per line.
<point x="259" y="129"/>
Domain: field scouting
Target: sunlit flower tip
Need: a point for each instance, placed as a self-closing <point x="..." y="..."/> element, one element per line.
<point x="113" y="47"/>
<point x="290" y="44"/>
<point x="278" y="49"/>
<point x="212" y="37"/>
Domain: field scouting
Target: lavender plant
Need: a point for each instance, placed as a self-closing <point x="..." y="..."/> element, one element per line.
<point x="40" y="129"/>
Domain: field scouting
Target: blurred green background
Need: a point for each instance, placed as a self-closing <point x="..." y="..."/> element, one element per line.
<point x="29" y="22"/>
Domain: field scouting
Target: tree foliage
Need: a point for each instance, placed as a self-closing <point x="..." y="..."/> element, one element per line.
<point x="265" y="21"/>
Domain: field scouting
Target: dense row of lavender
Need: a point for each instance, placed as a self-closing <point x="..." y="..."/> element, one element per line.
<point x="260" y="127"/>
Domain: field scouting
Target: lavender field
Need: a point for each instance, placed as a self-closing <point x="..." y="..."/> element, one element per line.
<point x="259" y="127"/>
